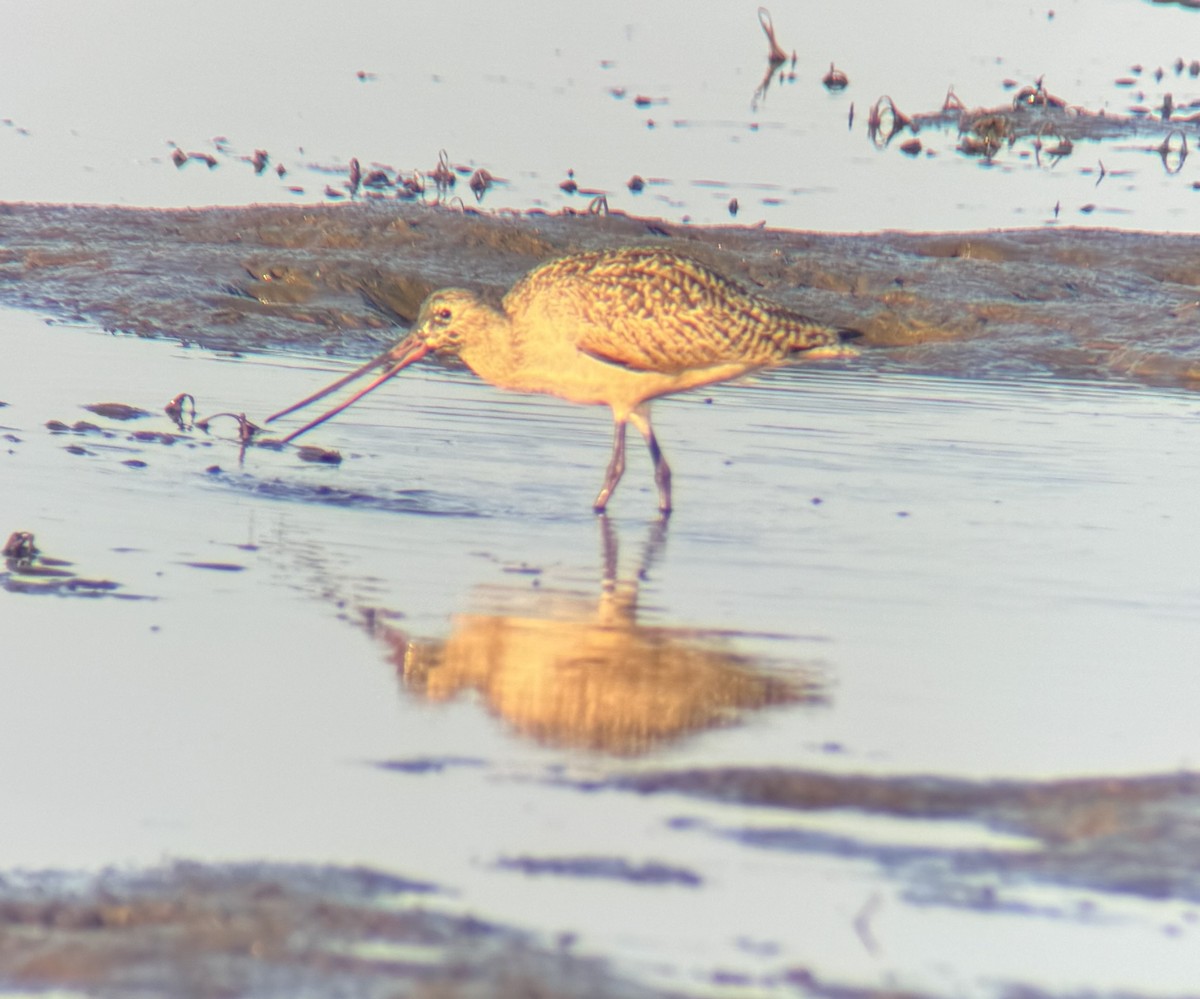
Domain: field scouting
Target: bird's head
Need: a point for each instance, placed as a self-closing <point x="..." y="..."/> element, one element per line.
<point x="450" y="321"/>
<point x="449" y="317"/>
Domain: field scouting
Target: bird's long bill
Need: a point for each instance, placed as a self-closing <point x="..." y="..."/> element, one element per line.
<point x="393" y="361"/>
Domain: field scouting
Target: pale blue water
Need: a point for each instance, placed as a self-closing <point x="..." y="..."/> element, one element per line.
<point x="975" y="596"/>
<point x="97" y="92"/>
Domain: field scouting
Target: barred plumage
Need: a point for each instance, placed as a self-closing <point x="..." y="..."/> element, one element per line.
<point x="610" y="327"/>
<point x="655" y="310"/>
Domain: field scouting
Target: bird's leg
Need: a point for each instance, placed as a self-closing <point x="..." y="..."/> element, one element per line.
<point x="640" y="418"/>
<point x="616" y="467"/>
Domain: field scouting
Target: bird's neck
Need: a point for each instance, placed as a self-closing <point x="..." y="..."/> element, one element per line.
<point x="491" y="350"/>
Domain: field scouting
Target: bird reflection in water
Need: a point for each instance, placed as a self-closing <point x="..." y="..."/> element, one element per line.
<point x="568" y="670"/>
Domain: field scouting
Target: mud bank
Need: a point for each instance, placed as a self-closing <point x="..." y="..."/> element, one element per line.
<point x="268" y="930"/>
<point x="1072" y="303"/>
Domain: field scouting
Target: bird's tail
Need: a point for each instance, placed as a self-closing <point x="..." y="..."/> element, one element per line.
<point x="838" y="344"/>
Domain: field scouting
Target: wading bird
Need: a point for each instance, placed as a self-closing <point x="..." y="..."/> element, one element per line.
<point x="612" y="327"/>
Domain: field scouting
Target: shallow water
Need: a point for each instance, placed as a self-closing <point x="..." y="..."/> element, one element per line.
<point x="870" y="576"/>
<point x="98" y="99"/>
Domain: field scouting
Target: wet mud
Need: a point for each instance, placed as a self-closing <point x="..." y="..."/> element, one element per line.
<point x="345" y="279"/>
<point x="268" y="930"/>
<point x="1083" y="833"/>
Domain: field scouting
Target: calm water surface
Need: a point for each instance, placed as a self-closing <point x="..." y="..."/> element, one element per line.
<point x="972" y="596"/>
<point x="97" y="97"/>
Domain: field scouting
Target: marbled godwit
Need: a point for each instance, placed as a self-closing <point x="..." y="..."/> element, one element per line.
<point x="612" y="327"/>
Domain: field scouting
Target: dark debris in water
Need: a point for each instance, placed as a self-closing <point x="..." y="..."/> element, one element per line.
<point x="318" y="455"/>
<point x="245" y="428"/>
<point x="20" y="545"/>
<point x="153" y="437"/>
<point x="835" y="79"/>
<point x="411" y="501"/>
<point x="78" y="427"/>
<point x="1037" y="123"/>
<point x="1087" y="833"/>
<point x="27" y="570"/>
<point x="116" y="411"/>
<point x="182" y="410"/>
<point x="610" y="868"/>
<point x="431" y="764"/>
<point x="75" y="586"/>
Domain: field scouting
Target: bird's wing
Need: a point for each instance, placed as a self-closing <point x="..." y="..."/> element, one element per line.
<point x="666" y="313"/>
<point x="636" y="346"/>
<point x="655" y="310"/>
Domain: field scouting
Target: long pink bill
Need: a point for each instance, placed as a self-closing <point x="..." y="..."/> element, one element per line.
<point x="393" y="361"/>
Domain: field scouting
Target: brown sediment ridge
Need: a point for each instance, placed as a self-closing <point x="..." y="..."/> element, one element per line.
<point x="1074" y="303"/>
<point x="269" y="930"/>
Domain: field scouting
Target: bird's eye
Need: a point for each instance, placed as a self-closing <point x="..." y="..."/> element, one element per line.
<point x="443" y="315"/>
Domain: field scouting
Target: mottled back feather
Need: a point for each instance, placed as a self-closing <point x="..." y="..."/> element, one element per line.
<point x="649" y="309"/>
